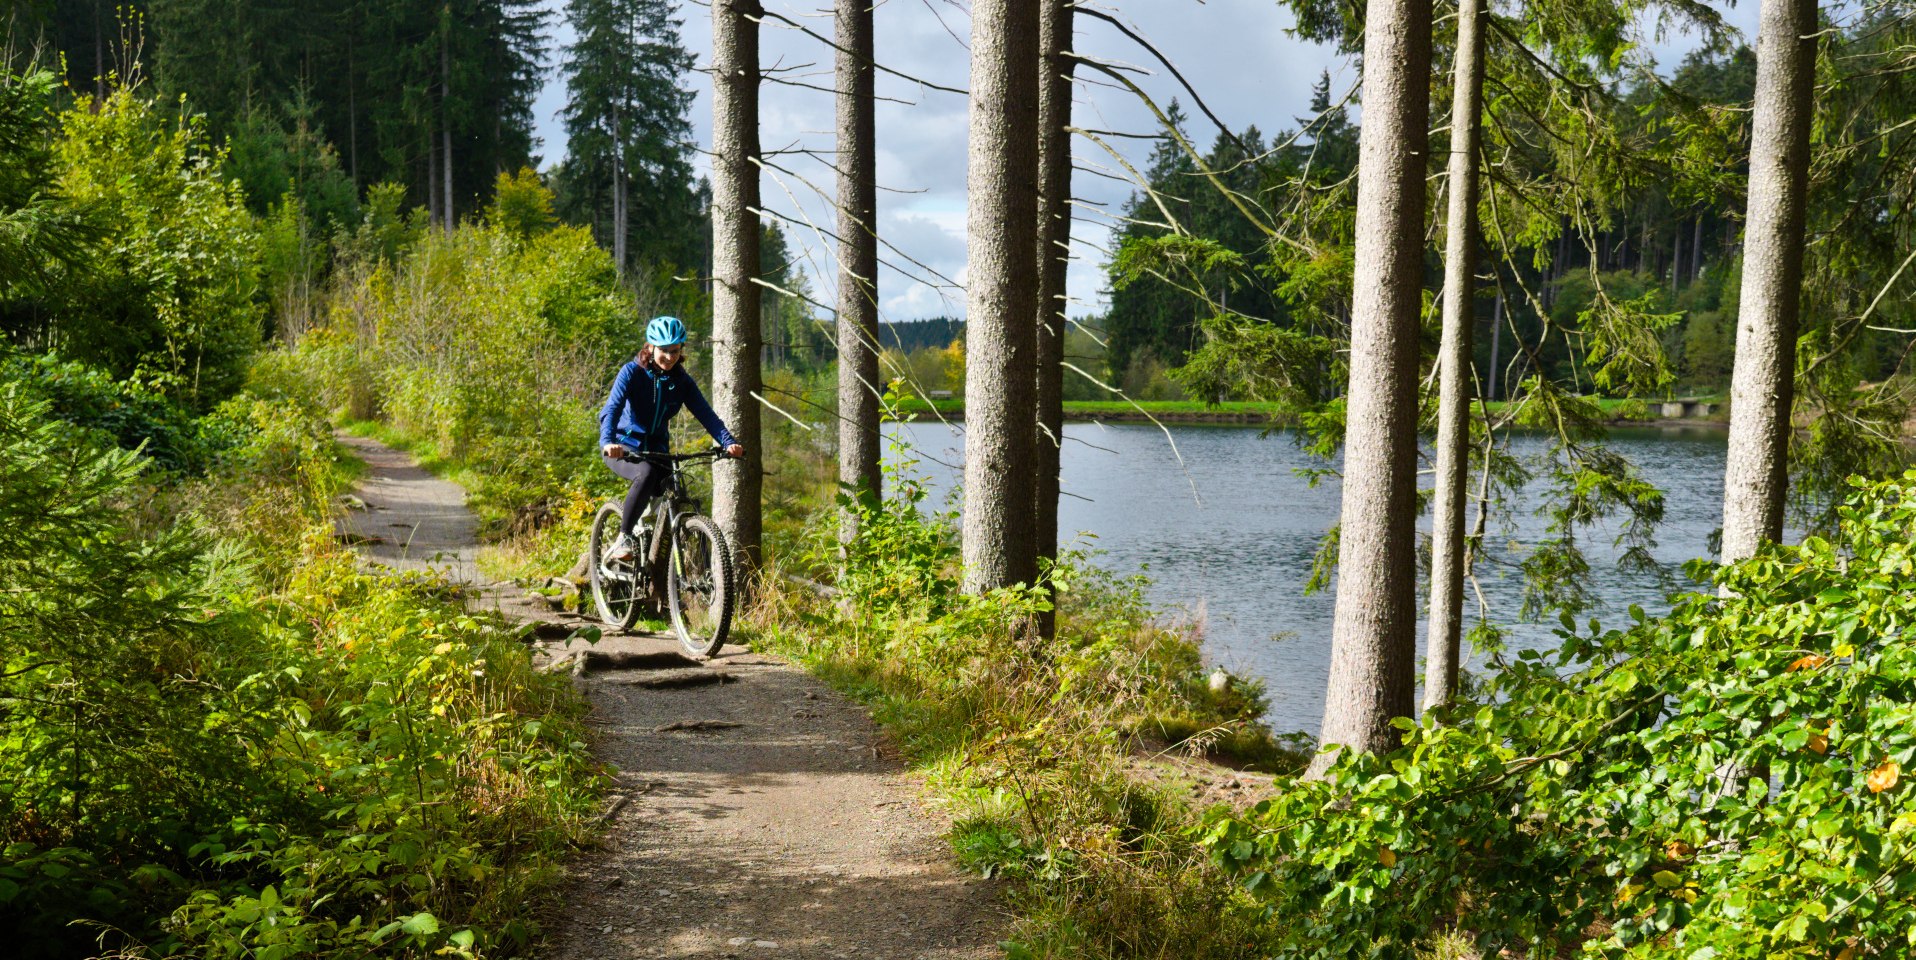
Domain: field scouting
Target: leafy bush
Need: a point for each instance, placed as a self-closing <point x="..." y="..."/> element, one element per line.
<point x="171" y="299"/>
<point x="219" y="738"/>
<point x="1726" y="781"/>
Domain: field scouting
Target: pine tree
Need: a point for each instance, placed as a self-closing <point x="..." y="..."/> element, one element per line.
<point x="1053" y="252"/>
<point x="1002" y="296"/>
<point x="1447" y="546"/>
<point x="736" y="315"/>
<point x="857" y="326"/>
<point x="1373" y="638"/>
<point x="1764" y="376"/>
<point x="629" y="129"/>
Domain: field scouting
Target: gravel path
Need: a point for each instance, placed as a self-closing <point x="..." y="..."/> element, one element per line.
<point x="756" y="816"/>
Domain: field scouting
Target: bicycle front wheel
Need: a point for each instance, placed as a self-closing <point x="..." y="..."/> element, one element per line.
<point x="699" y="585"/>
<point x="616" y="586"/>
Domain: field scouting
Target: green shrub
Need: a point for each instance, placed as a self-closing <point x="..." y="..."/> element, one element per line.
<point x="172" y="296"/>
<point x="220" y="738"/>
<point x="1726" y="781"/>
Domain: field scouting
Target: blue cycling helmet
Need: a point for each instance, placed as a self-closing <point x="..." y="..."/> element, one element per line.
<point x="664" y="331"/>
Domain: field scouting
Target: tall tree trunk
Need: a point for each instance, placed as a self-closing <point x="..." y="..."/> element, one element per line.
<point x="445" y="121"/>
<point x="1496" y="343"/>
<point x="352" y="109"/>
<point x="736" y="299"/>
<point x="1696" y="250"/>
<point x="1454" y="380"/>
<point x="857" y="327"/>
<point x="621" y="226"/>
<point x="1676" y="260"/>
<point x="1763" y="378"/>
<point x="1373" y="637"/>
<point x="432" y="172"/>
<point x="1054" y="253"/>
<point x="1002" y="296"/>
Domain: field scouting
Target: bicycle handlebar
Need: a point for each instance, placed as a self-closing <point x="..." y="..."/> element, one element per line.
<point x="715" y="453"/>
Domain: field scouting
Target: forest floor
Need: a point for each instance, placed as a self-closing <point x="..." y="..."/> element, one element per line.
<point x="755" y="812"/>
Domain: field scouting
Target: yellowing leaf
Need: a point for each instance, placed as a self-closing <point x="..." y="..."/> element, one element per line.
<point x="1847" y="952"/>
<point x="1385" y="856"/>
<point x="1902" y="824"/>
<point x="1885" y="777"/>
<point x="1818" y="743"/>
<point x="1845" y="650"/>
<point x="1678" y="850"/>
<point x="1665" y="879"/>
<point x="1808" y="662"/>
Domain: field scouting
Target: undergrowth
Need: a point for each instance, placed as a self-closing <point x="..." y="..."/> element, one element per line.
<point x="1041" y="750"/>
<point x="220" y="738"/>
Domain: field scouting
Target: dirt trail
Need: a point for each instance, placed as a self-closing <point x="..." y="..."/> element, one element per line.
<point x="756" y="816"/>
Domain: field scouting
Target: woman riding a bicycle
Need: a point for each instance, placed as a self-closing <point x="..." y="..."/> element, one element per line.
<point x="648" y="392"/>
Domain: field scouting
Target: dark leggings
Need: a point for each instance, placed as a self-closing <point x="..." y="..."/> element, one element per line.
<point x="646" y="477"/>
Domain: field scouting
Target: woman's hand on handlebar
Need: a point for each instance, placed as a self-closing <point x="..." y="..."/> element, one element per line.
<point x="616" y="451"/>
<point x="735" y="450"/>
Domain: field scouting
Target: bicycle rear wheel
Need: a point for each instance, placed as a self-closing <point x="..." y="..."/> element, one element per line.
<point x="699" y="585"/>
<point x="616" y="587"/>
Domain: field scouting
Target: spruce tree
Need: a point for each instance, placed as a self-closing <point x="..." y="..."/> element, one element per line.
<point x="629" y="129"/>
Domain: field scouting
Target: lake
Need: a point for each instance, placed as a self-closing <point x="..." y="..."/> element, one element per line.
<point x="1227" y="535"/>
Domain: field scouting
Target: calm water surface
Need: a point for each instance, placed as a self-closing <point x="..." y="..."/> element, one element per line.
<point x="1228" y="535"/>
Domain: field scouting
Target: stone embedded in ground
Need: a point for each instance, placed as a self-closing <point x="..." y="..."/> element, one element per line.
<point x="679" y="679"/>
<point x="596" y="660"/>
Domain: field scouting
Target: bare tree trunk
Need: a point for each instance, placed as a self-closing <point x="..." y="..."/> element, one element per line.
<point x="1696" y="250"/>
<point x="1002" y="295"/>
<point x="1454" y="380"/>
<point x="352" y="109"/>
<point x="1763" y="378"/>
<point x="1496" y="342"/>
<point x="432" y="173"/>
<point x="621" y="226"/>
<point x="1054" y="254"/>
<point x="1373" y="638"/>
<point x="857" y="327"/>
<point x="445" y="121"/>
<point x="1676" y="261"/>
<point x="736" y="300"/>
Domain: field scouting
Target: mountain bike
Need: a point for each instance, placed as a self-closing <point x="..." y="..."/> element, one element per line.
<point x="682" y="555"/>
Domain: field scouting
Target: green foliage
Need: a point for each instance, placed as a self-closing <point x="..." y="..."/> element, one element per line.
<point x="1725" y="781"/>
<point x="130" y="415"/>
<point x="42" y="233"/>
<point x="172" y="298"/>
<point x="521" y="205"/>
<point x="239" y="745"/>
<point x="484" y="345"/>
<point x="1035" y="746"/>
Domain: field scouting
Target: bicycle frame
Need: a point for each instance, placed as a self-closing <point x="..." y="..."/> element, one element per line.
<point x="674" y="501"/>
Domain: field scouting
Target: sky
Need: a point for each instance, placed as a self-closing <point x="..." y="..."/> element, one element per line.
<point x="1238" y="54"/>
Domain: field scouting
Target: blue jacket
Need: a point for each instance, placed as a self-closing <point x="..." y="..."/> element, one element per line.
<point x="639" y="411"/>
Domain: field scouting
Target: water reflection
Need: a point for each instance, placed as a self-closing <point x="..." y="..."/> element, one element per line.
<point x="1227" y="536"/>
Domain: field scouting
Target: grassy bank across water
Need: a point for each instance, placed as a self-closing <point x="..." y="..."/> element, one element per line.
<point x="1616" y="411"/>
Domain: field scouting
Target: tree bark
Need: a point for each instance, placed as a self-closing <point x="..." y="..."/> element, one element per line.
<point x="1373" y="637"/>
<point x="1054" y="254"/>
<point x="1454" y="380"/>
<point x="736" y="484"/>
<point x="857" y="327"/>
<point x="621" y="227"/>
<point x="1763" y="377"/>
<point x="1002" y="296"/>
<point x="445" y="121"/>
